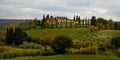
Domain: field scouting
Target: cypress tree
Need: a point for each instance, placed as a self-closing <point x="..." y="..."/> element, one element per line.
<point x="44" y="22"/>
<point x="15" y="35"/>
<point x="74" y="18"/>
<point x="93" y="21"/>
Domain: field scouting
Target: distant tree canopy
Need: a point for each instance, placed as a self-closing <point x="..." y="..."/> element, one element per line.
<point x="54" y="22"/>
<point x="111" y="24"/>
<point x="102" y="24"/>
<point x="117" y="25"/>
<point x="15" y="35"/>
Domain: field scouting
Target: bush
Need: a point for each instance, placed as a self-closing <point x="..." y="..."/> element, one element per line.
<point x="30" y="52"/>
<point x="73" y="51"/>
<point x="10" y="52"/>
<point x="93" y="28"/>
<point x="116" y="41"/>
<point x="48" y="51"/>
<point x="118" y="52"/>
<point x="60" y="43"/>
<point x="30" y="46"/>
<point x="83" y="47"/>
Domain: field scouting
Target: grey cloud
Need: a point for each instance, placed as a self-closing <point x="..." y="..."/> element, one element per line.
<point x="36" y="8"/>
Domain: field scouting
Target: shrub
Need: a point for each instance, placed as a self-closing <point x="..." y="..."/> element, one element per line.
<point x="30" y="52"/>
<point x="73" y="51"/>
<point x="30" y="46"/>
<point x="48" y="50"/>
<point x="10" y="52"/>
<point x="93" y="28"/>
<point x="83" y="47"/>
<point x="118" y="52"/>
<point x="116" y="41"/>
<point x="77" y="44"/>
<point x="60" y="43"/>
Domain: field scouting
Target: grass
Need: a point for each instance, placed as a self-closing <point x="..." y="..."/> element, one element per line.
<point x="101" y="37"/>
<point x="69" y="57"/>
<point x="74" y="33"/>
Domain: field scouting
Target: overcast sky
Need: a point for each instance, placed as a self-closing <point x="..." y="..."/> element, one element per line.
<point x="29" y="9"/>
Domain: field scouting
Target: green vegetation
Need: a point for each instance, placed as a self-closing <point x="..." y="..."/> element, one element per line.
<point x="60" y="43"/>
<point x="53" y="36"/>
<point x="74" y="33"/>
<point x="15" y="35"/>
<point x="69" y="57"/>
<point x="116" y="41"/>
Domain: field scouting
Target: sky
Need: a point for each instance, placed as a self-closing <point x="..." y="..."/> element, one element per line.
<point x="30" y="9"/>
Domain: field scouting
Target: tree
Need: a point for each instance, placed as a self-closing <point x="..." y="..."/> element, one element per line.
<point x="74" y="18"/>
<point x="47" y="16"/>
<point x="60" y="43"/>
<point x="102" y="23"/>
<point x="77" y="17"/>
<point x="36" y="22"/>
<point x="44" y="22"/>
<point x="116" y="25"/>
<point x="15" y="35"/>
<point x="116" y="41"/>
<point x="51" y="16"/>
<point x="93" y="21"/>
<point x="79" y="20"/>
<point x="100" y="26"/>
<point x="111" y="24"/>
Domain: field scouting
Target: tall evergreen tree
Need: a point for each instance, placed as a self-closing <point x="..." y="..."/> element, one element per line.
<point x="66" y="23"/>
<point x="47" y="16"/>
<point x="44" y="22"/>
<point x="77" y="17"/>
<point x="56" y="23"/>
<point x="93" y="21"/>
<point x="74" y="18"/>
<point x="15" y="35"/>
<point x="79" y="20"/>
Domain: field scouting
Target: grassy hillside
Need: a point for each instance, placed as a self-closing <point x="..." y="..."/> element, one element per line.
<point x="74" y="33"/>
<point x="69" y="57"/>
<point x="83" y="34"/>
<point x="102" y="38"/>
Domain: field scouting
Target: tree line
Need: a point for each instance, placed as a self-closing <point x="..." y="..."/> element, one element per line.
<point x="76" y="22"/>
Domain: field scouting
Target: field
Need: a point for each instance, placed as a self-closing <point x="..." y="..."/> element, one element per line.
<point x="82" y="34"/>
<point x="69" y="57"/>
<point x="74" y="33"/>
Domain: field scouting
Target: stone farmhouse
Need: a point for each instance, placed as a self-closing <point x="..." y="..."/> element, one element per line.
<point x="60" y="19"/>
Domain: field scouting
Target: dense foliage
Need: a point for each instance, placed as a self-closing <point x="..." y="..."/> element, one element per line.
<point x="15" y="35"/>
<point x="60" y="43"/>
<point x="104" y="24"/>
<point x="116" y="41"/>
<point x="93" y="28"/>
